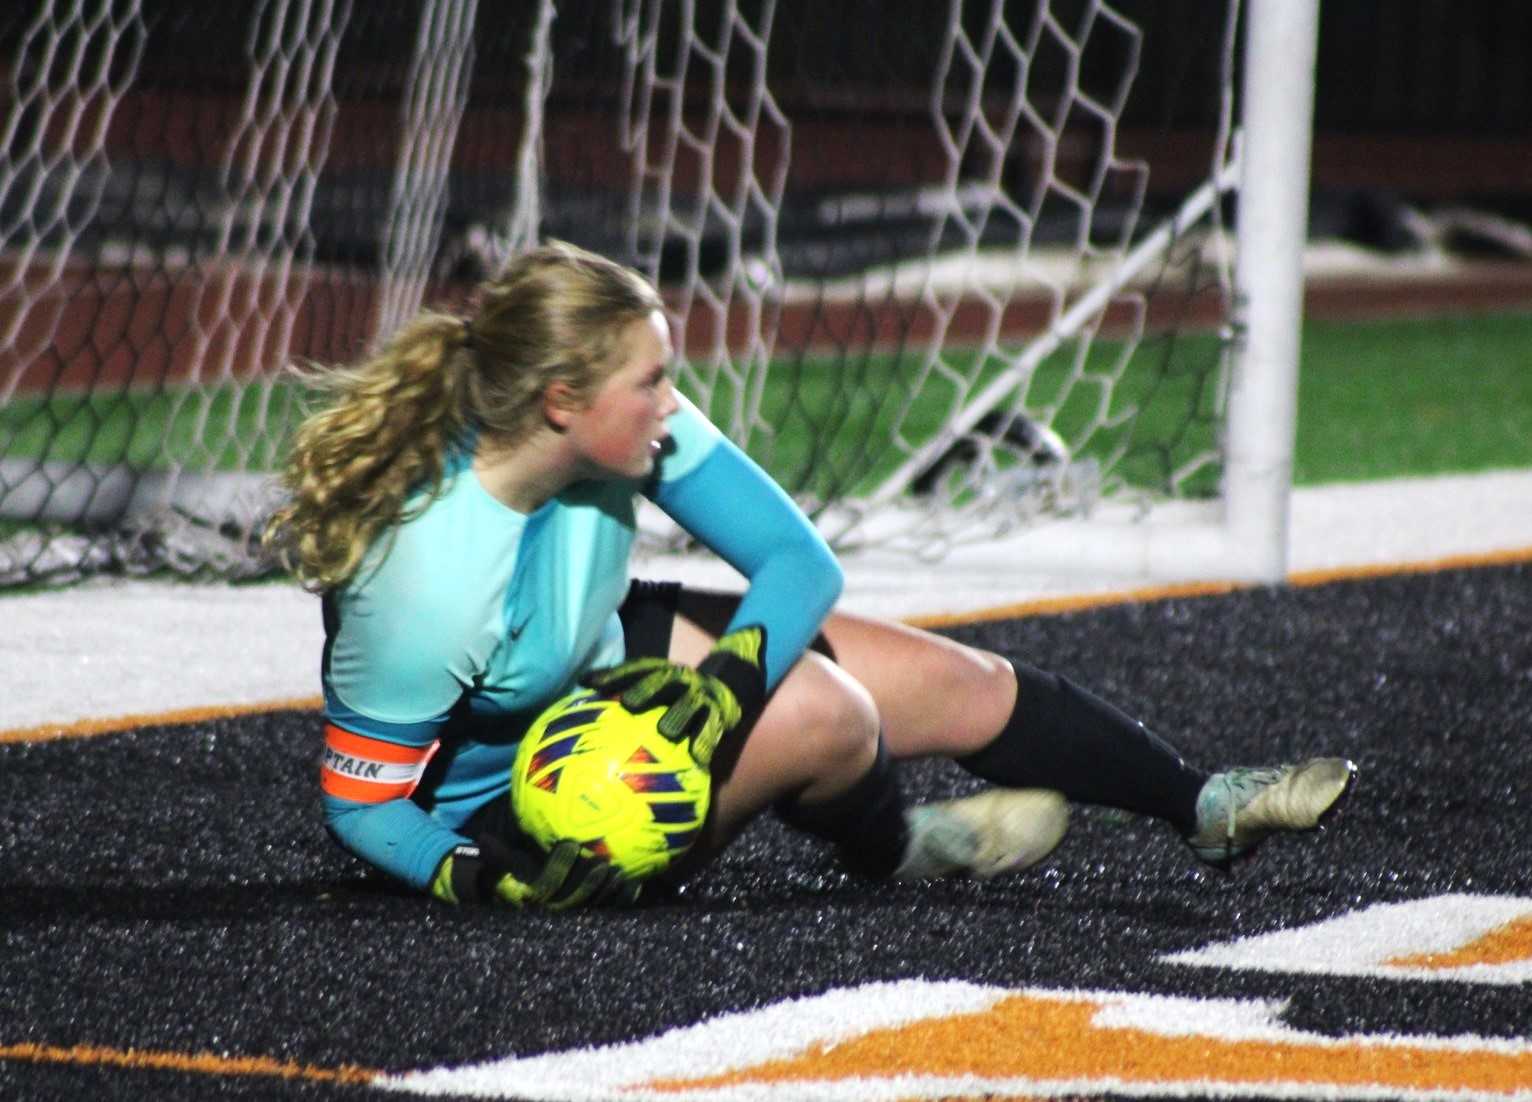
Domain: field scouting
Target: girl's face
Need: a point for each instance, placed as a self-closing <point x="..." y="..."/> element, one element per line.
<point x="622" y="430"/>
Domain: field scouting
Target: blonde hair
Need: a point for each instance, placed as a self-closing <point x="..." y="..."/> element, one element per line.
<point x="388" y="422"/>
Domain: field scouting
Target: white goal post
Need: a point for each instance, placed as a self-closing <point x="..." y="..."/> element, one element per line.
<point x="1243" y="537"/>
<point x="925" y="268"/>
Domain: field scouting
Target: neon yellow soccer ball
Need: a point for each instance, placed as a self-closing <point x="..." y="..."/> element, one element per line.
<point x="590" y="771"/>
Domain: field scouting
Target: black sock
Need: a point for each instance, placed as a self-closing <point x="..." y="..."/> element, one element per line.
<point x="865" y="823"/>
<point x="1066" y="738"/>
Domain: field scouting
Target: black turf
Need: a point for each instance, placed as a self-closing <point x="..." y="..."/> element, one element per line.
<point x="172" y="889"/>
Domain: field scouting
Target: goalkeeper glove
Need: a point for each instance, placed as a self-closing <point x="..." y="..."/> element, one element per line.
<point x="725" y="693"/>
<point x="521" y="875"/>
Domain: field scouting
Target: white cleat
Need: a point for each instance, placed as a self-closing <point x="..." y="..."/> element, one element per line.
<point x="1239" y="807"/>
<point x="998" y="831"/>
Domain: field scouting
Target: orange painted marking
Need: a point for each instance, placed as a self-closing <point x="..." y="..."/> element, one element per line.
<point x="1043" y="606"/>
<point x="1507" y="944"/>
<point x="206" y="1063"/>
<point x="89" y="728"/>
<point x="1049" y="606"/>
<point x="1423" y="566"/>
<point x="1026" y="1037"/>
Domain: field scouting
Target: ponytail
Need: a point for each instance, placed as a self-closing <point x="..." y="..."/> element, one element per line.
<point x="382" y="435"/>
<point x="555" y="313"/>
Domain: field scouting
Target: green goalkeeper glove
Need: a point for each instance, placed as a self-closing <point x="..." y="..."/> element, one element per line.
<point x="724" y="694"/>
<point x="521" y="875"/>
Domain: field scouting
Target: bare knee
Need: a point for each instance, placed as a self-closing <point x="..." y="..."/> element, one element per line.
<point x="934" y="695"/>
<point x="985" y="683"/>
<point x="956" y="702"/>
<point x="832" y="726"/>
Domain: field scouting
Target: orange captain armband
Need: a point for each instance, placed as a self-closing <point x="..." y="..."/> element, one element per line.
<point x="369" y="770"/>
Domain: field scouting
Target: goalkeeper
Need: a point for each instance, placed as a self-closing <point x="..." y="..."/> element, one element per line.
<point x="465" y="504"/>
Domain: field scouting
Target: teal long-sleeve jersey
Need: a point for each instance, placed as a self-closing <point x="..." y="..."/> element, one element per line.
<point x="469" y="618"/>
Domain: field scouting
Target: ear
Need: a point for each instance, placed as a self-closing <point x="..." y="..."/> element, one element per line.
<point x="560" y="404"/>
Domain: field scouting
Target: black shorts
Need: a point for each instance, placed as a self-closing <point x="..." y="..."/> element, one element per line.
<point x="647" y="614"/>
<point x="649" y="611"/>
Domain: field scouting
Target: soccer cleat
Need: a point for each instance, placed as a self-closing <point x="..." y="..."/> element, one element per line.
<point x="1000" y="830"/>
<point x="1239" y="807"/>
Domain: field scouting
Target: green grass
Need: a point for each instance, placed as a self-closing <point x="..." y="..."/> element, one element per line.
<point x="1419" y="397"/>
<point x="834" y="418"/>
<point x="1376" y="400"/>
<point x="150" y="429"/>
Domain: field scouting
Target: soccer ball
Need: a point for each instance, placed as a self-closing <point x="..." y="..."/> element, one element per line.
<point x="590" y="771"/>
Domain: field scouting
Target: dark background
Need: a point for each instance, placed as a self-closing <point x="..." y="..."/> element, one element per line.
<point x="171" y="888"/>
<point x="1429" y="99"/>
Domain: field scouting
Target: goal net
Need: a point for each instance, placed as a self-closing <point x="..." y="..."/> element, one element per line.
<point x="948" y="270"/>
